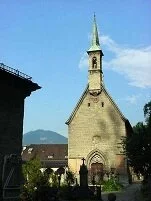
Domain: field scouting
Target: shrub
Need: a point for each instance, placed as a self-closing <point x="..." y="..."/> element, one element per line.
<point x="111" y="185"/>
<point x="70" y="178"/>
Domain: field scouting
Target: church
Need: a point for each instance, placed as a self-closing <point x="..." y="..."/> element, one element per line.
<point x="96" y="126"/>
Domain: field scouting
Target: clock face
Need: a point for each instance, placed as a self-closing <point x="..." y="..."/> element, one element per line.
<point x="94" y="99"/>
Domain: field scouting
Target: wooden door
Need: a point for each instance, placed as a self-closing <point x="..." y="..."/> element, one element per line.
<point x="97" y="171"/>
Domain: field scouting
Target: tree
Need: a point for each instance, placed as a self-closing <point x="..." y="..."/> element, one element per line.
<point x="138" y="145"/>
<point x="147" y="114"/>
<point x="135" y="148"/>
<point x="70" y="177"/>
<point x="34" y="178"/>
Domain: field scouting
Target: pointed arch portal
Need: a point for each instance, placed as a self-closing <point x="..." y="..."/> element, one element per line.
<point x="96" y="164"/>
<point x="96" y="172"/>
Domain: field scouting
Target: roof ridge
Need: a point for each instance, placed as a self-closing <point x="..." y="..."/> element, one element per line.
<point x="77" y="105"/>
<point x="82" y="98"/>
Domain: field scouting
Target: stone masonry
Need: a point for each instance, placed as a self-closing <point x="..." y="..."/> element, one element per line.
<point x="96" y="127"/>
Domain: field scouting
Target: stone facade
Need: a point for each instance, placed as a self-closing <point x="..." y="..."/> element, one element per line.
<point x="95" y="131"/>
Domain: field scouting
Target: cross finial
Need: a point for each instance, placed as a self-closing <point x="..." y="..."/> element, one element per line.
<point x="83" y="159"/>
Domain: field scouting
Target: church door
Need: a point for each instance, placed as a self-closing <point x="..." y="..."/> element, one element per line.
<point x="97" y="172"/>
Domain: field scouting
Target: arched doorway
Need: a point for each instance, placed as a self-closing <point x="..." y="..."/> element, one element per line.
<point x="96" y="172"/>
<point x="97" y="163"/>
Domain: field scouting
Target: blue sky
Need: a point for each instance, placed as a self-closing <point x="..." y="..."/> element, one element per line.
<point x="49" y="39"/>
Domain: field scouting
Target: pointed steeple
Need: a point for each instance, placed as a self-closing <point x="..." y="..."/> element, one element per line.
<point x="95" y="53"/>
<point x="95" y="45"/>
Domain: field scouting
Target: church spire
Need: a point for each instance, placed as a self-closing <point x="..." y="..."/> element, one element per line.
<point x="95" y="44"/>
<point x="95" y="53"/>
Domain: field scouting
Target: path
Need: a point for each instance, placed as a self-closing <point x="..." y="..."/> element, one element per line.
<point x="131" y="193"/>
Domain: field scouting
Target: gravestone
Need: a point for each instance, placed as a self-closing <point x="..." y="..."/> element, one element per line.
<point x="83" y="191"/>
<point x="83" y="175"/>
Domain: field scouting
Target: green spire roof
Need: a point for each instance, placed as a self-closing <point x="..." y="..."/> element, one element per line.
<point x="95" y="45"/>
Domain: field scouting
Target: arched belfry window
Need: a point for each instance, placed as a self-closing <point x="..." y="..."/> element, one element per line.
<point x="94" y="62"/>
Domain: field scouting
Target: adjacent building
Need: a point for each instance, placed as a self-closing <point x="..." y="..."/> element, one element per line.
<point x="52" y="156"/>
<point x="14" y="88"/>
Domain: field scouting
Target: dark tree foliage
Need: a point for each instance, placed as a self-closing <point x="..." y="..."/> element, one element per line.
<point x="138" y="145"/>
<point x="36" y="186"/>
<point x="147" y="114"/>
<point x="70" y="177"/>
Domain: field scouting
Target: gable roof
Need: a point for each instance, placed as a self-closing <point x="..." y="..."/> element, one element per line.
<point x="45" y="152"/>
<point x="82" y="98"/>
<point x="77" y="105"/>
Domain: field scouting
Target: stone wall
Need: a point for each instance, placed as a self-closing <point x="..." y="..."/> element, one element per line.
<point x="11" y="129"/>
<point x="11" y="122"/>
<point x="96" y="126"/>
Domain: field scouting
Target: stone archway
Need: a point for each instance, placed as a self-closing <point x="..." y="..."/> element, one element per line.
<point x="96" y="163"/>
<point x="96" y="171"/>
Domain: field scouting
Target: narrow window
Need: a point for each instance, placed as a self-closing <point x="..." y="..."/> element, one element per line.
<point x="94" y="62"/>
<point x="102" y="104"/>
<point x="50" y="156"/>
<point x="88" y="104"/>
